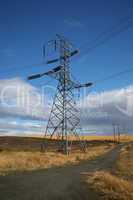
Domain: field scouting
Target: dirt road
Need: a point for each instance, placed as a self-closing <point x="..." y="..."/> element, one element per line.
<point x="59" y="183"/>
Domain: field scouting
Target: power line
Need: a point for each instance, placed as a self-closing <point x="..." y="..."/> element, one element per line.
<point x="22" y="68"/>
<point x="105" y="36"/>
<point x="126" y="23"/>
<point x="114" y="75"/>
<point x="102" y="34"/>
<point x="110" y="34"/>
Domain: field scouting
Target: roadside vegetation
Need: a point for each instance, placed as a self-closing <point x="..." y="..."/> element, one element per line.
<point x="116" y="183"/>
<point x="13" y="161"/>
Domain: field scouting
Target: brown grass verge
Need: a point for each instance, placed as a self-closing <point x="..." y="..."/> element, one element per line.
<point x="111" y="187"/>
<point x="118" y="183"/>
<point x="23" y="161"/>
<point x="124" y="164"/>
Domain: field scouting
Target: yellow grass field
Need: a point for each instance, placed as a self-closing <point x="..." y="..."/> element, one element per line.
<point x="13" y="161"/>
<point x="123" y="137"/>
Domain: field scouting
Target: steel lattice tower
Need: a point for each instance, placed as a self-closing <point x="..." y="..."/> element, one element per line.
<point x="64" y="118"/>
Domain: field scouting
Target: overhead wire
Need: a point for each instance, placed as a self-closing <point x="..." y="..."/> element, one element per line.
<point x="110" y="33"/>
<point x="123" y="25"/>
<point x="22" y="68"/>
<point x="114" y="75"/>
<point x="106" y="35"/>
<point x="120" y="22"/>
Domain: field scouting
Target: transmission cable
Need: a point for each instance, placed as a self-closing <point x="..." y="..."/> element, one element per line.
<point x="114" y="75"/>
<point x="107" y="35"/>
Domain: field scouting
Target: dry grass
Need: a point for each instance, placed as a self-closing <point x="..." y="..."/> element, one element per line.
<point x="124" y="138"/>
<point x="124" y="165"/>
<point x="20" y="161"/>
<point x="118" y="183"/>
<point x="111" y="187"/>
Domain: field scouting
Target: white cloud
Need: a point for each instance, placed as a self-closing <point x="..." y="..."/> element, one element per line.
<point x="22" y="127"/>
<point x="22" y="107"/>
<point x="102" y="109"/>
<point x="19" y="98"/>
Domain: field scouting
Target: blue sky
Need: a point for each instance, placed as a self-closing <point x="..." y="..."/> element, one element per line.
<point x="27" y="25"/>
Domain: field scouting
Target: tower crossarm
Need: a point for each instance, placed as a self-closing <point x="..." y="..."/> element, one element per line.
<point x="53" y="73"/>
<point x="63" y="57"/>
<point x="85" y="85"/>
<point x="76" y="85"/>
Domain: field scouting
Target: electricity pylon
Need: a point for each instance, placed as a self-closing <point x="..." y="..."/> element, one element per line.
<point x="64" y="117"/>
<point x="117" y="134"/>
